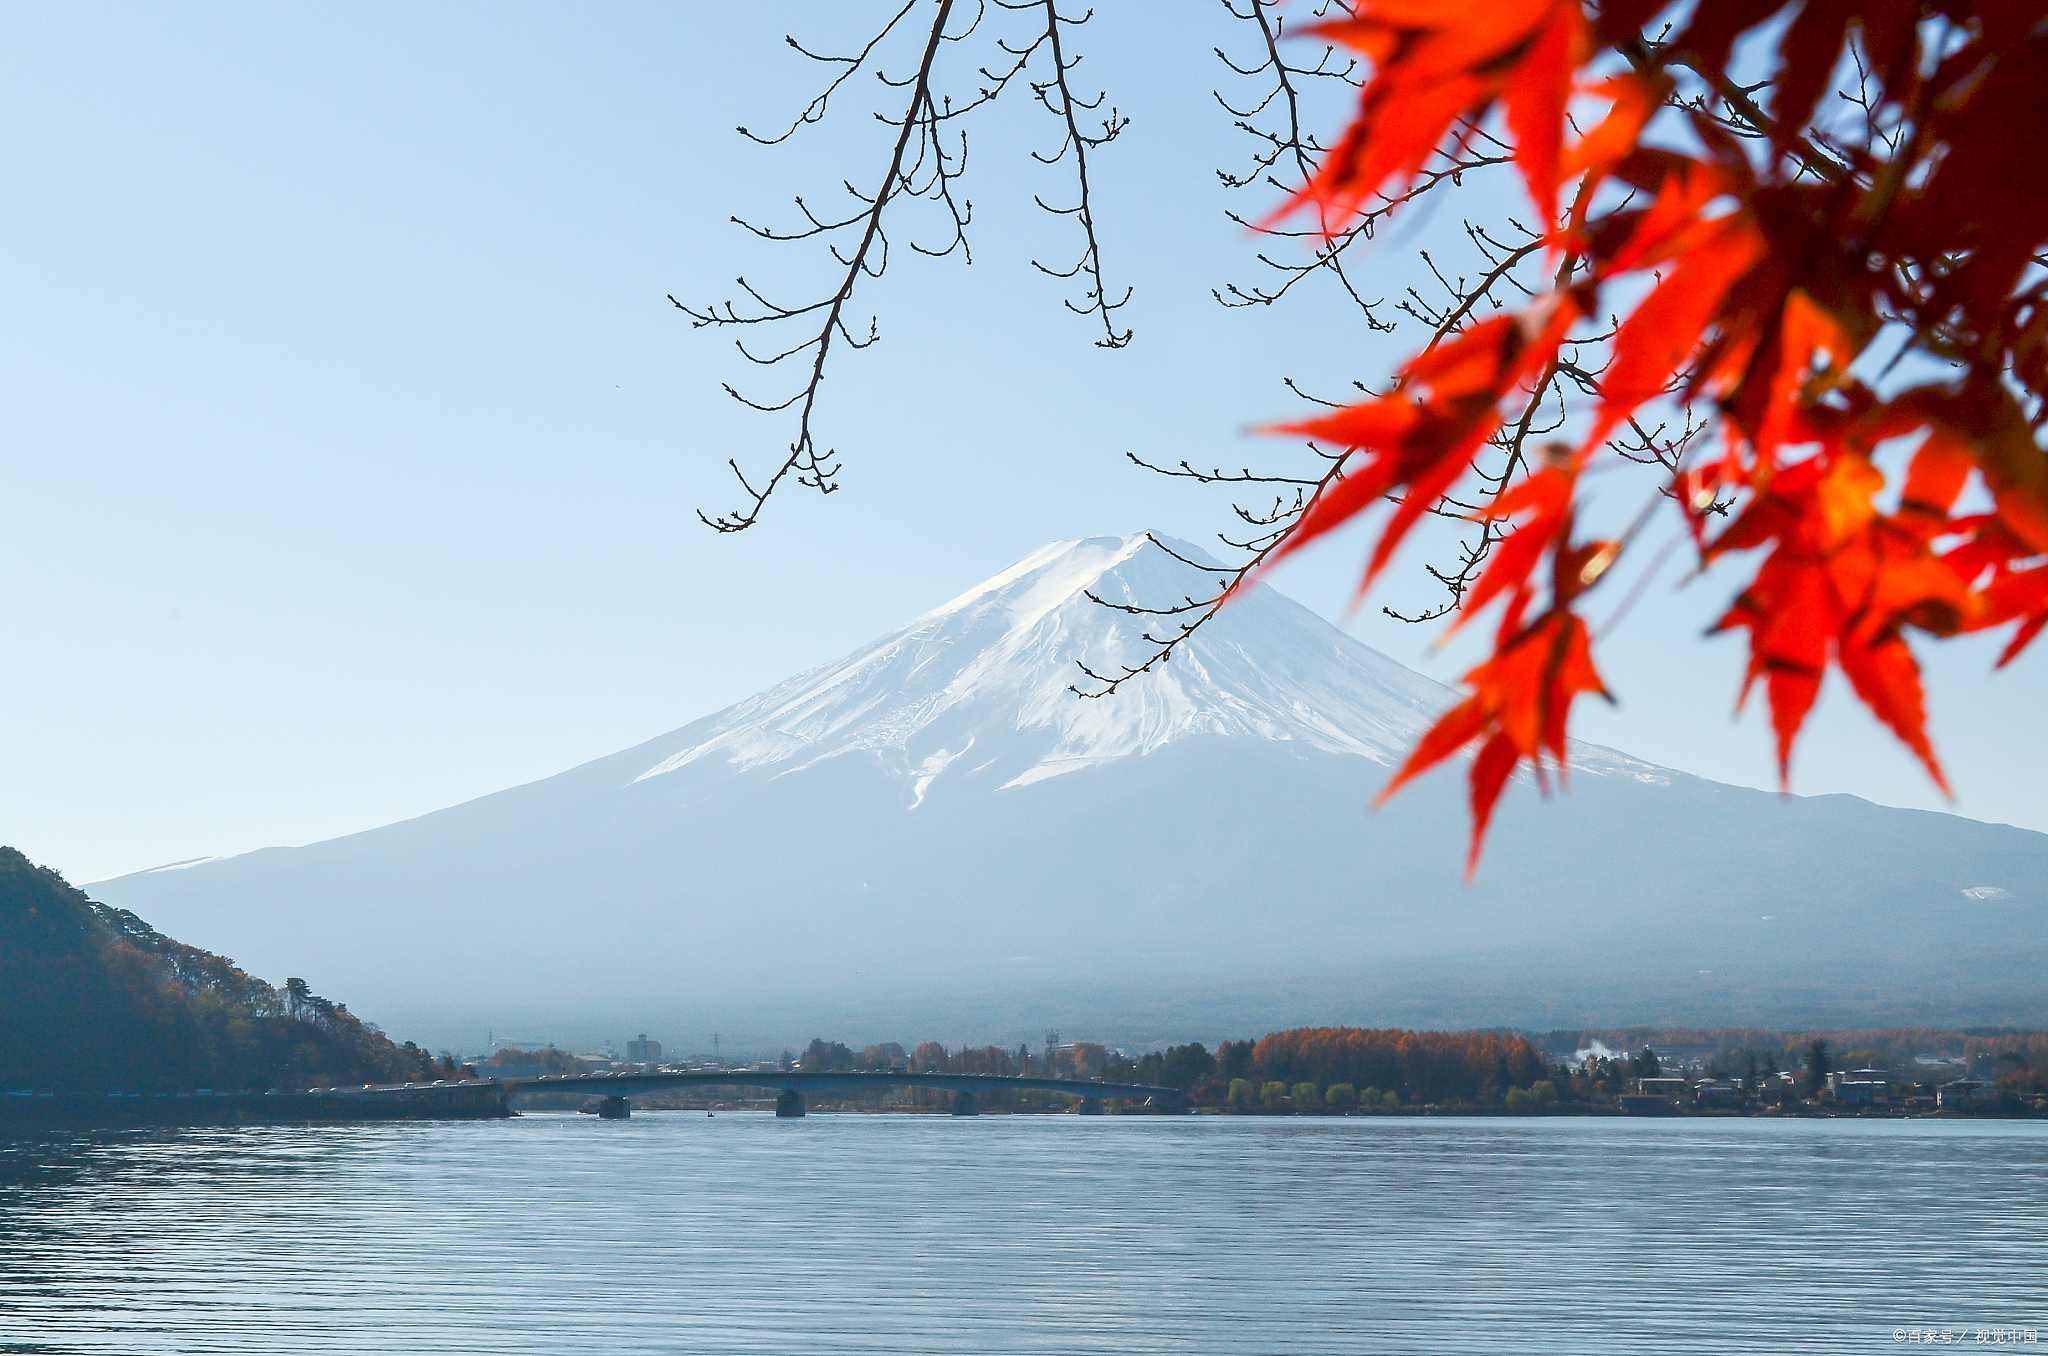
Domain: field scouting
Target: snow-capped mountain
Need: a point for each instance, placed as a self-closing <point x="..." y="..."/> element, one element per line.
<point x="936" y="828"/>
<point x="991" y="674"/>
<point x="989" y="679"/>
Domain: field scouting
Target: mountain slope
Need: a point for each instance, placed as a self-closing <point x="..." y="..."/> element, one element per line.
<point x="936" y="830"/>
<point x="93" y="999"/>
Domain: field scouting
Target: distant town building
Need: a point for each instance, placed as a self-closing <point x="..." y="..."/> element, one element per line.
<point x="640" y="1050"/>
<point x="1861" y="1087"/>
<point x="1717" y="1091"/>
<point x="1684" y="1058"/>
<point x="1965" y="1092"/>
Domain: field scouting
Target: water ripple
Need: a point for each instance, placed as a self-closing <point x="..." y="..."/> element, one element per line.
<point x="843" y="1234"/>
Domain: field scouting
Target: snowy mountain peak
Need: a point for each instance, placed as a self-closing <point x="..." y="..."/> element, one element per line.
<point x="987" y="678"/>
<point x="1055" y="573"/>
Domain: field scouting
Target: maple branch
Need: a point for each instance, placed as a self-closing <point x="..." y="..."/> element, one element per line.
<point x="1471" y="148"/>
<point x="1752" y="323"/>
<point x="920" y="117"/>
<point x="1472" y="552"/>
<point x="1481" y="291"/>
<point x="1271" y="522"/>
<point x="1216" y="476"/>
<point x="1163" y="647"/>
<point x="1647" y="57"/>
<point x="1258" y="548"/>
<point x="1058" y="98"/>
<point x="928" y="156"/>
<point x="1292" y="145"/>
<point x="814" y="112"/>
<point x="1298" y="148"/>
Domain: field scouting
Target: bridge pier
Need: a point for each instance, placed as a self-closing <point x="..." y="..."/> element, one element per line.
<point x="610" y="1091"/>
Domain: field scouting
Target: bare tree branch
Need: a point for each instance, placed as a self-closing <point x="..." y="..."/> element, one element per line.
<point x="928" y="157"/>
<point x="803" y="461"/>
<point x="1058" y="98"/>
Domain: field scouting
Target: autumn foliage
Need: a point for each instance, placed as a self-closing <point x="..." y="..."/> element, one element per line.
<point x="93" y="999"/>
<point x="1426" y="1065"/>
<point x="1838" y="273"/>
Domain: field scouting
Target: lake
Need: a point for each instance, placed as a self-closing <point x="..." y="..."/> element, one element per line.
<point x="677" y="1232"/>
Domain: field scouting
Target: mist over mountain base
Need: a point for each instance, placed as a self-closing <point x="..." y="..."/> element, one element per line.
<point x="933" y="835"/>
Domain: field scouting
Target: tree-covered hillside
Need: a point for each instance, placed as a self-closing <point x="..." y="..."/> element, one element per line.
<point x="94" y="999"/>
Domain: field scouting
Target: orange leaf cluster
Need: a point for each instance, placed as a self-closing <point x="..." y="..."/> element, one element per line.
<point x="1443" y="63"/>
<point x="1780" y="269"/>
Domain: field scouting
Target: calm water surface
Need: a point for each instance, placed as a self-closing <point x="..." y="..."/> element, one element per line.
<point x="740" y="1233"/>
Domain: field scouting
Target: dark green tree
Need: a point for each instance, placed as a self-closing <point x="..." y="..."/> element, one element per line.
<point x="1816" y="1066"/>
<point x="823" y="1054"/>
<point x="1234" y="1060"/>
<point x="1180" y="1066"/>
<point x="93" y="999"/>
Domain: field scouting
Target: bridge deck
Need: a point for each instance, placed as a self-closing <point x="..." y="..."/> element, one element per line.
<point x="797" y="1080"/>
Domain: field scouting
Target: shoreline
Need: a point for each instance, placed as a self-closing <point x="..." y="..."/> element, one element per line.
<point x="50" y="1111"/>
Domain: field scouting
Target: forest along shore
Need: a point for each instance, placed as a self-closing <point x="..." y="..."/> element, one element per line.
<point x="1349" y="1071"/>
<point x="110" y="1022"/>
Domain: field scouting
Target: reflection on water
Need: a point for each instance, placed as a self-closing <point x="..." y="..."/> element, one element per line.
<point x="741" y="1233"/>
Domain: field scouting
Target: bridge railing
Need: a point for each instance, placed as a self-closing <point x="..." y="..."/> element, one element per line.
<point x="800" y="1081"/>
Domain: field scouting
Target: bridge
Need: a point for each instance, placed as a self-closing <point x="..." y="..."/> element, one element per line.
<point x="791" y="1085"/>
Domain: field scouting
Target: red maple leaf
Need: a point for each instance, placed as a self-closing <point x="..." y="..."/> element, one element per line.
<point x="1520" y="700"/>
<point x="1780" y="257"/>
<point x="1423" y="436"/>
<point x="1436" y="62"/>
<point x="1841" y="582"/>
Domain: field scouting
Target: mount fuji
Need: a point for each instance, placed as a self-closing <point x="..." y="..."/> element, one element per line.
<point x="935" y="835"/>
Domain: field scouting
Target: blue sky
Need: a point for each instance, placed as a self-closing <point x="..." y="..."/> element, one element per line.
<point x="353" y="450"/>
